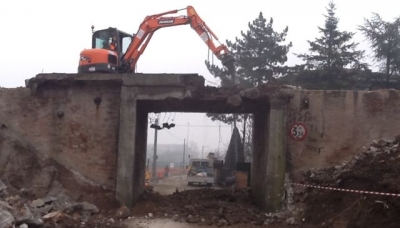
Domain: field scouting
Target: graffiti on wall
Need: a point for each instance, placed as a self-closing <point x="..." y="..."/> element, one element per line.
<point x="303" y="126"/>
<point x="297" y="115"/>
<point x="299" y="122"/>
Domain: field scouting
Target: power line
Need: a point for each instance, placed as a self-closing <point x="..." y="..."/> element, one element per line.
<point x="169" y="116"/>
<point x="173" y="135"/>
<point x="201" y="126"/>
<point x="180" y="125"/>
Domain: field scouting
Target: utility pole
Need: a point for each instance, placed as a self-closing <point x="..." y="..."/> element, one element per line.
<point x="187" y="136"/>
<point x="184" y="151"/>
<point x="183" y="158"/>
<point x="154" y="175"/>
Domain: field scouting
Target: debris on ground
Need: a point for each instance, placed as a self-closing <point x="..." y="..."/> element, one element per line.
<point x="218" y="207"/>
<point x="42" y="193"/>
<point x="37" y="191"/>
<point x="50" y="211"/>
<point x="376" y="168"/>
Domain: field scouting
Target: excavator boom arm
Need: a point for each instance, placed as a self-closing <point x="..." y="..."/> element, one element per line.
<point x="154" y="22"/>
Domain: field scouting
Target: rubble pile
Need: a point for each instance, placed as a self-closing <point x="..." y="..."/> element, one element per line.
<point x="37" y="191"/>
<point x="17" y="210"/>
<point x="376" y="168"/>
<point x="217" y="207"/>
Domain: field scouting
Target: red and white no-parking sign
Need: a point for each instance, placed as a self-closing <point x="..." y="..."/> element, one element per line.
<point x="298" y="131"/>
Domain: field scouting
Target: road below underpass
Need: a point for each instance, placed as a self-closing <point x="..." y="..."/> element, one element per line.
<point x="170" y="184"/>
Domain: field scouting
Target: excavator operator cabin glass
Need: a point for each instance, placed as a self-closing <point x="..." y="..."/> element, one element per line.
<point x="102" y="39"/>
<point x="125" y="43"/>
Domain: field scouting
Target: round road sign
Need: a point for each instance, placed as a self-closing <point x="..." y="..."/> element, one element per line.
<point x="298" y="131"/>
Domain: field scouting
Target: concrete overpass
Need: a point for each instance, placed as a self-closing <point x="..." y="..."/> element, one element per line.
<point x="141" y="94"/>
<point x="88" y="132"/>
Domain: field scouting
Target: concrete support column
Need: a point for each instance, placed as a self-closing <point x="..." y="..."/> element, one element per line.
<point x="140" y="153"/>
<point x="276" y="156"/>
<point x="269" y="156"/>
<point x="258" y="167"/>
<point x="126" y="147"/>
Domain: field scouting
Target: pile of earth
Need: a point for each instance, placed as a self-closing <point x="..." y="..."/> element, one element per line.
<point x="377" y="169"/>
<point x="205" y="206"/>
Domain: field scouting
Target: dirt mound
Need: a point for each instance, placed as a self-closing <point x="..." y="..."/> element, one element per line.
<point x="204" y="207"/>
<point x="376" y="169"/>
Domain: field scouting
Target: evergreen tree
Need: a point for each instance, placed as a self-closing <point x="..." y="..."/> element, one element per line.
<point x="385" y="42"/>
<point x="259" y="54"/>
<point x="334" y="48"/>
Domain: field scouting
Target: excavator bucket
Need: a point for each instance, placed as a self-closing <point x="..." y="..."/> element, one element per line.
<point x="229" y="62"/>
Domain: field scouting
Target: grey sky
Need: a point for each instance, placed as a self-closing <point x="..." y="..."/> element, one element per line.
<point x="48" y="35"/>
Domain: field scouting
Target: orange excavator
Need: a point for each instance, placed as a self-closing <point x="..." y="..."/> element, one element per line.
<point x="114" y="51"/>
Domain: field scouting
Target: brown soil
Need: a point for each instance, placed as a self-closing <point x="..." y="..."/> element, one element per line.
<point x="192" y="206"/>
<point x="371" y="171"/>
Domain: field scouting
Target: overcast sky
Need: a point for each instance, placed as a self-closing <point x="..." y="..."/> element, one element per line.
<point x="47" y="36"/>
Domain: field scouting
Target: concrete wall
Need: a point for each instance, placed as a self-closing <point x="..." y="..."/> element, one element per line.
<point x="339" y="124"/>
<point x="66" y="125"/>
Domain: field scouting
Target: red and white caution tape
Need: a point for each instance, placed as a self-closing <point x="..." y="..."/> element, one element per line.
<point x="348" y="190"/>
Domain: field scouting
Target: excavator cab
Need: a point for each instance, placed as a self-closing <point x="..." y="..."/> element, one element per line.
<point x="108" y="47"/>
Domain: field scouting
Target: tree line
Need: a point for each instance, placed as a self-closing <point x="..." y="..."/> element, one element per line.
<point x="333" y="60"/>
<point x="261" y="53"/>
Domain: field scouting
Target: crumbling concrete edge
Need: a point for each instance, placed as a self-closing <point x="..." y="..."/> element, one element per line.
<point x="62" y="79"/>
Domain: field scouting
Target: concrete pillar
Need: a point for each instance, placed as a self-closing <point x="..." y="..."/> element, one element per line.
<point x="269" y="156"/>
<point x="140" y="153"/>
<point x="126" y="147"/>
<point x="258" y="167"/>
<point x="276" y="156"/>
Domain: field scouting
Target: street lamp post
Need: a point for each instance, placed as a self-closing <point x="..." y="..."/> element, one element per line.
<point x="183" y="158"/>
